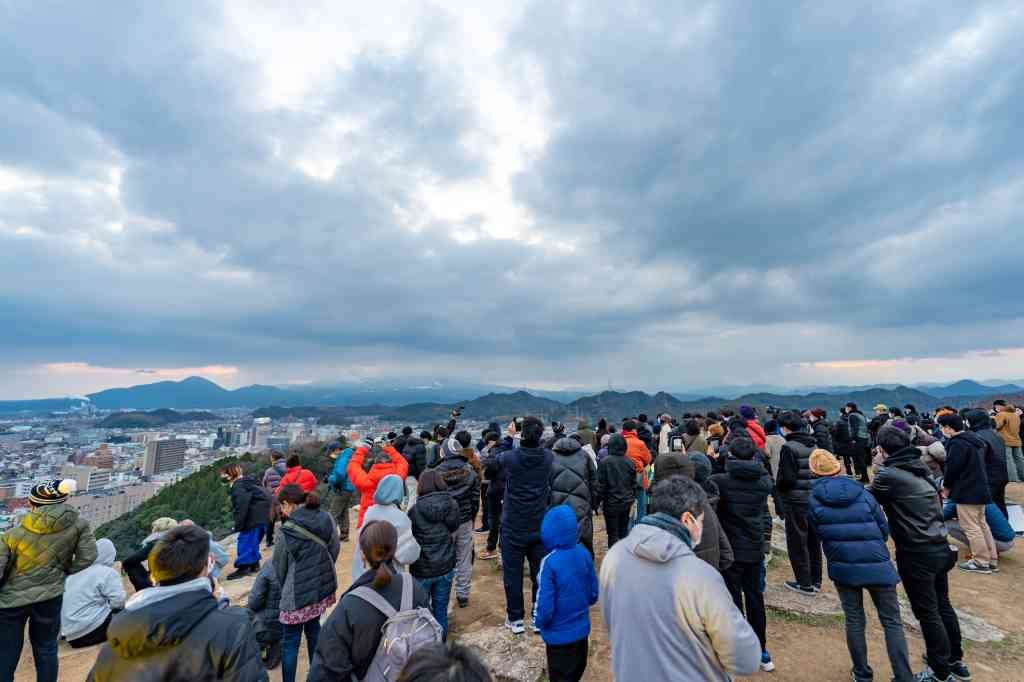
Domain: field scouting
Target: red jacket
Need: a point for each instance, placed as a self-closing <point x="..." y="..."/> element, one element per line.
<point x="366" y="481"/>
<point x="304" y="478"/>
<point x="757" y="434"/>
<point x="638" y="453"/>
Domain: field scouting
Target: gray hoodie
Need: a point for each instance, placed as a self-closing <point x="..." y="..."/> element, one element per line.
<point x="91" y="595"/>
<point x="669" y="614"/>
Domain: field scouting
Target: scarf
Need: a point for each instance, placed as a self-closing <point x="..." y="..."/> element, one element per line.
<point x="668" y="524"/>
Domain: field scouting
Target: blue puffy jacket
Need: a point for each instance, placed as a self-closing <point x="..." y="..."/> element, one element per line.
<point x="997" y="523"/>
<point x="338" y="480"/>
<point x="568" y="582"/>
<point x="853" y="531"/>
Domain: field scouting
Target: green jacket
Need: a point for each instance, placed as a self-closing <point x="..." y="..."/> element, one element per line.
<point x="51" y="543"/>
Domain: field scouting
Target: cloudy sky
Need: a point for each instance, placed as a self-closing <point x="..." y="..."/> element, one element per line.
<point x="652" y="194"/>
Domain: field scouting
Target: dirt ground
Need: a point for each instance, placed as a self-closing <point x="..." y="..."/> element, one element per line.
<point x="804" y="648"/>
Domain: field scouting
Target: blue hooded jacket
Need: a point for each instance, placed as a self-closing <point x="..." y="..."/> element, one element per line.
<point x="338" y="480"/>
<point x="568" y="582"/>
<point x="997" y="523"/>
<point x="853" y="531"/>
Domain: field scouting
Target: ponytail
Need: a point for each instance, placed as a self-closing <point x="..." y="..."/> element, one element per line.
<point x="378" y="542"/>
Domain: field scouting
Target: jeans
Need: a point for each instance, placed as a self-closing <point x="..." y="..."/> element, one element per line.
<point x="493" y="520"/>
<point x="290" y="646"/>
<point x="616" y="523"/>
<point x="745" y="585"/>
<point x="463" y="559"/>
<point x="926" y="582"/>
<point x="1015" y="463"/>
<point x="888" y="607"/>
<point x="979" y="535"/>
<point x="641" y="507"/>
<point x="439" y="590"/>
<point x="513" y="550"/>
<point x="341" y="502"/>
<point x="567" y="662"/>
<point x="43" y="630"/>
<point x="249" y="546"/>
<point x="803" y="545"/>
<point x="998" y="491"/>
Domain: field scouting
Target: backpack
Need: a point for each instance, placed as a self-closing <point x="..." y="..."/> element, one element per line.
<point x="403" y="633"/>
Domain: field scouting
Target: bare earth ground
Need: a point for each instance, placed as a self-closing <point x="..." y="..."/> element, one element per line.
<point x="806" y="648"/>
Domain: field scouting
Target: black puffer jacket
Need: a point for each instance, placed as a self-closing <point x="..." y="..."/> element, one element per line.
<point x="905" y="490"/>
<point x="573" y="479"/>
<point x="714" y="546"/>
<point x="743" y="492"/>
<point x="823" y="435"/>
<point x="250" y="504"/>
<point x="463" y="485"/>
<point x="616" y="477"/>
<point x="350" y="636"/>
<point x="434" y="517"/>
<point x="304" y="568"/>
<point x="496" y="474"/>
<point x="795" y="471"/>
<point x="184" y="638"/>
<point x="415" y="453"/>
<point x="265" y="603"/>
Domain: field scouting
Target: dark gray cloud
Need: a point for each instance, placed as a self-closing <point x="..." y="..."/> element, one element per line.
<point x="719" y="190"/>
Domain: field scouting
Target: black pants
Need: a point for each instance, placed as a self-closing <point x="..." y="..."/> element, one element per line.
<point x="43" y="619"/>
<point x="567" y="662"/>
<point x="925" y="577"/>
<point x="616" y="523"/>
<point x="803" y="545"/>
<point x="861" y="459"/>
<point x="744" y="583"/>
<point x="494" y="521"/>
<point x="998" y="491"/>
<point x="513" y="550"/>
<point x="97" y="636"/>
<point x="485" y="503"/>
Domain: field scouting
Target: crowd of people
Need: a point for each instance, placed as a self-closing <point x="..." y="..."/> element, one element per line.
<point x="688" y="507"/>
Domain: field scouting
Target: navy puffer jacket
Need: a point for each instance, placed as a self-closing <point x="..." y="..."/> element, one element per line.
<point x="853" y="531"/>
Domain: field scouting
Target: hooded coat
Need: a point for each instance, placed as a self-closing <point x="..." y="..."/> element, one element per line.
<point x="965" y="469"/>
<point x="91" y="595"/>
<point x="304" y="568"/>
<point x="415" y="453"/>
<point x="273" y="475"/>
<point x="304" y="478"/>
<point x="366" y="481"/>
<point x="616" y="486"/>
<point x="526" y="490"/>
<point x="995" y="453"/>
<point x="179" y="634"/>
<point x="338" y="480"/>
<point x="568" y="582"/>
<point x="853" y="531"/>
<point x="572" y="479"/>
<point x="250" y="504"/>
<point x="385" y="507"/>
<point x="795" y="469"/>
<point x="463" y="483"/>
<point x="434" y="518"/>
<point x="743" y="491"/>
<point x="638" y="453"/>
<point x="51" y="543"/>
<point x="672" y="617"/>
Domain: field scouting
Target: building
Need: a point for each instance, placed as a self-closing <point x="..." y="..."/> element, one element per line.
<point x="259" y="433"/>
<point x="87" y="477"/>
<point x="279" y="443"/>
<point x="164" y="456"/>
<point x="102" y="458"/>
<point x="106" y="505"/>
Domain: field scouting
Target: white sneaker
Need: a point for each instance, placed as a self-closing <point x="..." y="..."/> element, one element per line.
<point x="515" y="627"/>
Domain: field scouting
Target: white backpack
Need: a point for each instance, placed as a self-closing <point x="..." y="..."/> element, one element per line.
<point x="404" y="631"/>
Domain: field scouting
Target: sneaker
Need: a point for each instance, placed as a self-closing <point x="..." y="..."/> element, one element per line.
<point x="994" y="568"/>
<point x="463" y="602"/>
<point x="959" y="671"/>
<point x="794" y="586"/>
<point x="241" y="572"/>
<point x="534" y="628"/>
<point x="927" y="675"/>
<point x="973" y="566"/>
<point x="487" y="554"/>
<point x="816" y="587"/>
<point x="766" y="662"/>
<point x="515" y="627"/>
<point x="482" y="529"/>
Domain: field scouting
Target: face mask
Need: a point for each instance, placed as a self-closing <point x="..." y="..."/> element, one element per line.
<point x="695" y="526"/>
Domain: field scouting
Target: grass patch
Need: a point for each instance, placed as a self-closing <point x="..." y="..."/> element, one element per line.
<point x="814" y="620"/>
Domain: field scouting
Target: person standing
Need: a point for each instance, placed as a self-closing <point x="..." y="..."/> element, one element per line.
<point x="966" y="484"/>
<point x="638" y="452"/>
<point x="415" y="453"/>
<point x="794" y="485"/>
<point x="271" y="482"/>
<point x="820" y="428"/>
<point x="1008" y="425"/>
<point x="908" y="495"/>
<point x="880" y="419"/>
<point x="435" y="519"/>
<point x="616" y="489"/>
<point x="861" y="440"/>
<point x="51" y="543"/>
<point x="572" y="480"/>
<point x="340" y="486"/>
<point x="250" y="507"/>
<point x="996" y="470"/>
<point x="853" y="532"/>
<point x="464" y="485"/>
<point x="386" y="507"/>
<point x="495" y="489"/>
<point x="586" y="434"/>
<point x="526" y="500"/>
<point x="369" y="465"/>
<point x="91" y="597"/>
<point x="654" y="589"/>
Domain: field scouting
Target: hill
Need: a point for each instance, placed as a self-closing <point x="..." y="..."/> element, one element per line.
<point x="155" y="418"/>
<point x="973" y="389"/>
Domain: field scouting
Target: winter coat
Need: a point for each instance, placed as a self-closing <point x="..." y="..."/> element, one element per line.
<point x="91" y="595"/>
<point x="51" y="543"/>
<point x="757" y="433"/>
<point x="304" y="568"/>
<point x="695" y="443"/>
<point x="385" y="508"/>
<point x="338" y="480"/>
<point x="995" y="458"/>
<point x="823" y="435"/>
<point x="1008" y="426"/>
<point x="638" y="452"/>
<point x="526" y="491"/>
<point x="366" y="481"/>
<point x="933" y="452"/>
<point x="463" y="484"/>
<point x="250" y="504"/>
<point x="133" y="567"/>
<point x="671" y="618"/>
<point x="616" y="478"/>
<point x="672" y="464"/>
<point x="273" y="475"/>
<point x="572" y="481"/>
<point x="350" y="636"/>
<point x="853" y="531"/>
<point x="858" y="426"/>
<point x="965" y="477"/>
<point x="415" y="453"/>
<point x="794" y="481"/>
<point x="495" y="474"/>
<point x="303" y="478"/>
<point x="568" y="582"/>
<point x="265" y="604"/>
<point x="586" y="434"/>
<point x="743" y="492"/>
<point x="714" y="546"/>
<point x="876" y="423"/>
<point x="905" y="490"/>
<point x="773" y="449"/>
<point x="179" y="633"/>
<point x="434" y="518"/>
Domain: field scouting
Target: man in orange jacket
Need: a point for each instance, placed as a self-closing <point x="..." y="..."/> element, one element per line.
<point x="637" y="452"/>
<point x="385" y="461"/>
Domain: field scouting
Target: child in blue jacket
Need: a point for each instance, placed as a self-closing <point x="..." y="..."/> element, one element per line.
<point x="568" y="588"/>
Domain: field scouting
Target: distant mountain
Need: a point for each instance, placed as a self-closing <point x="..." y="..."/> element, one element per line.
<point x="969" y="388"/>
<point x="156" y="418"/>
<point x="40" y="406"/>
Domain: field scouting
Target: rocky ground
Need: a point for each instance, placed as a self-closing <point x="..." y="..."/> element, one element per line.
<point x="805" y="635"/>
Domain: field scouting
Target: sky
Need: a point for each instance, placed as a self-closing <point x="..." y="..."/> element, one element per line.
<point x="650" y="194"/>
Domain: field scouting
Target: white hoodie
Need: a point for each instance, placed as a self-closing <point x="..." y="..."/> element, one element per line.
<point x="90" y="595"/>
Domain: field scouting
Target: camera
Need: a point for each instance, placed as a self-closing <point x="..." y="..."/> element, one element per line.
<point x="676" y="444"/>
